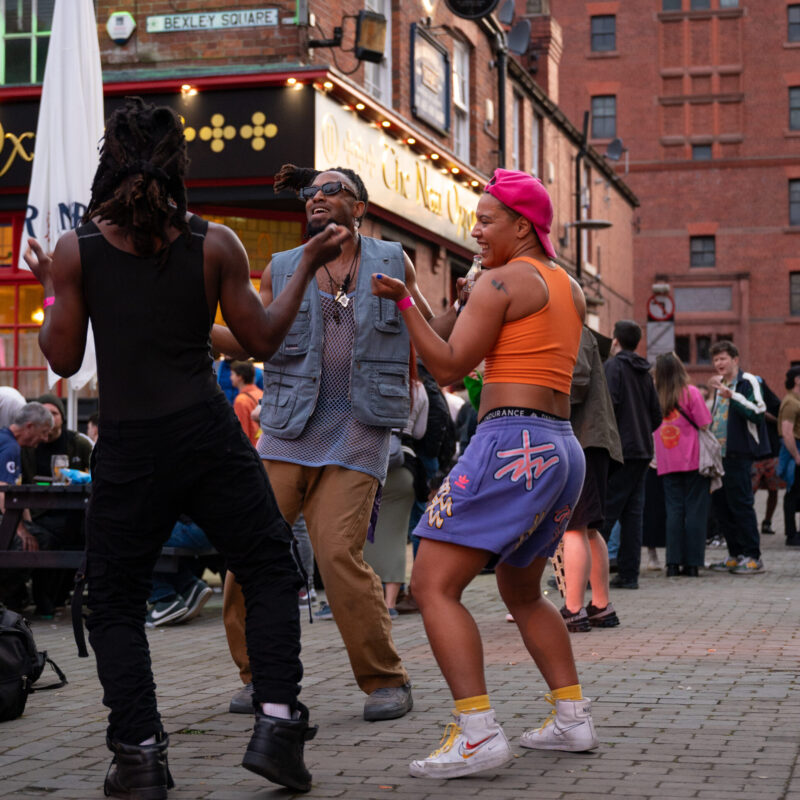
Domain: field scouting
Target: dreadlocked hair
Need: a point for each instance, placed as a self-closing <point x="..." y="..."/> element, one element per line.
<point x="295" y="178"/>
<point x="139" y="184"/>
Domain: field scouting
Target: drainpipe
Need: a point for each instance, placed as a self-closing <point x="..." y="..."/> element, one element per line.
<point x="578" y="231"/>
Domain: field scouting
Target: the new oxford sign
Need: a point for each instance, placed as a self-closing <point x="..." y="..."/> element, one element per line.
<point x="396" y="178"/>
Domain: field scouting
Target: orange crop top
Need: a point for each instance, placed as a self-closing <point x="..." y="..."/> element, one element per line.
<point x="541" y="348"/>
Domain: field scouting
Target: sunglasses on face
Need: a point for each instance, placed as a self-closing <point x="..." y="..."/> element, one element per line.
<point x="331" y="188"/>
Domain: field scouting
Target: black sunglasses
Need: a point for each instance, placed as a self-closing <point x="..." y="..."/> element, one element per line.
<point x="330" y="188"/>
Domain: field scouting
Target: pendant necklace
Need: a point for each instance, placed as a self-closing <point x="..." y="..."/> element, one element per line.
<point x="340" y="295"/>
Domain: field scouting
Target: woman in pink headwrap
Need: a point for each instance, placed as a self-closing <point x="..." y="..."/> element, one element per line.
<point x="509" y="498"/>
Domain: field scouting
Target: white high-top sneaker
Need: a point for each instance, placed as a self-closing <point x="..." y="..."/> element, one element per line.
<point x="473" y="743"/>
<point x="569" y="727"/>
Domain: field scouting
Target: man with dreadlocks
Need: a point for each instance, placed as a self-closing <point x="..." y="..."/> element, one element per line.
<point x="149" y="277"/>
<point x="332" y="393"/>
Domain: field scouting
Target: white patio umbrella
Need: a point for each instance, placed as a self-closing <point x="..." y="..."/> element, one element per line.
<point x="68" y="133"/>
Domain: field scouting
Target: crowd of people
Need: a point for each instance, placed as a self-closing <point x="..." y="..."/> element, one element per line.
<point x="346" y="443"/>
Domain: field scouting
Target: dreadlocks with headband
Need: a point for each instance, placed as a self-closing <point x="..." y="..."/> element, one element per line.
<point x="139" y="184"/>
<point x="295" y="178"/>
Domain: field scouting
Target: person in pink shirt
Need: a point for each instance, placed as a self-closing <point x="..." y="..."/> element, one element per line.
<point x="686" y="491"/>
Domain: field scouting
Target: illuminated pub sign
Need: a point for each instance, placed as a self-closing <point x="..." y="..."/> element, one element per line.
<point x="396" y="178"/>
<point x="237" y="133"/>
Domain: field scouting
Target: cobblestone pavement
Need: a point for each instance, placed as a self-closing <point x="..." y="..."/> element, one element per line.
<point x="695" y="696"/>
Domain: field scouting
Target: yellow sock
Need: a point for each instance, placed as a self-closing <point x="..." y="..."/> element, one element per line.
<point x="472" y="705"/>
<point x="568" y="693"/>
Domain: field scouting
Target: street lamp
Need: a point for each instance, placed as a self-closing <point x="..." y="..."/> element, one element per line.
<point x="584" y="225"/>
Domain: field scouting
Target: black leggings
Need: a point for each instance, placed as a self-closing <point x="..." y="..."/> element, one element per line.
<point x="197" y="462"/>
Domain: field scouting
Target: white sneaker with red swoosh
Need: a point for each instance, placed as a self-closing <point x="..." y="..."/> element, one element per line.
<point x="569" y="727"/>
<point x="473" y="743"/>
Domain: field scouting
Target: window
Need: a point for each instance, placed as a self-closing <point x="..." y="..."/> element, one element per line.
<point x="794" y="202"/>
<point x="25" y="32"/>
<point x="700" y="5"/>
<point x="670" y="5"/>
<point x="703" y="344"/>
<point x="682" y="348"/>
<point x="703" y="251"/>
<point x="378" y="77"/>
<point x="701" y="152"/>
<point x="461" y="100"/>
<point x="794" y="294"/>
<point x="793" y="12"/>
<point x="604" y="117"/>
<point x="516" y="130"/>
<point x="729" y="3"/>
<point x="604" y="33"/>
<point x="794" y="108"/>
<point x="536" y="134"/>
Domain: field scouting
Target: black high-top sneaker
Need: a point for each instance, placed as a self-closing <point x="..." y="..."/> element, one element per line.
<point x="139" y="772"/>
<point x="276" y="749"/>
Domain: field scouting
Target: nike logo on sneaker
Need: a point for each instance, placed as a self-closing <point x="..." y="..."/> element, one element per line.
<point x="468" y="749"/>
<point x="560" y="730"/>
<point x="158" y="614"/>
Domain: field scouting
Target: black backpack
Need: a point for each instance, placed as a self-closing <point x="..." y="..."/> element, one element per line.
<point x="439" y="440"/>
<point x="21" y="664"/>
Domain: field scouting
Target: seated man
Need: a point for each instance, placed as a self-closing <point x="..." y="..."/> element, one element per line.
<point x="179" y="596"/>
<point x="29" y="425"/>
<point x="55" y="530"/>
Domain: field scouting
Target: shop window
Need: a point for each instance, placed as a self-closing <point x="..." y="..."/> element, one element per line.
<point x="604" y="116"/>
<point x="261" y="238"/>
<point x="25" y="28"/>
<point x="703" y="347"/>
<point x="703" y="251"/>
<point x="794" y="108"/>
<point x="670" y="5"/>
<point x="794" y="202"/>
<point x="604" y="33"/>
<point x="794" y="294"/>
<point x="378" y="77"/>
<point x="516" y="131"/>
<point x="461" y="100"/>
<point x="701" y="152"/>
<point x="22" y="364"/>
<point x="682" y="348"/>
<point x="6" y="244"/>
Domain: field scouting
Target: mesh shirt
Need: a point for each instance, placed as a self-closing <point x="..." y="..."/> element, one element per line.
<point x="332" y="435"/>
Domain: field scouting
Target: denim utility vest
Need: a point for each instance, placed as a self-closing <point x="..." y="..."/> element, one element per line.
<point x="379" y="390"/>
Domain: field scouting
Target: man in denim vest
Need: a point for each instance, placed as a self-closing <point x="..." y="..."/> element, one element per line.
<point x="332" y="393"/>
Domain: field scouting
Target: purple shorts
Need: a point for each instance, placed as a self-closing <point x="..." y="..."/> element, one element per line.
<point x="512" y="491"/>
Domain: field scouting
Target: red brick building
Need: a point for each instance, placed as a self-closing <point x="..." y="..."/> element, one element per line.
<point x="425" y="128"/>
<point x="705" y="96"/>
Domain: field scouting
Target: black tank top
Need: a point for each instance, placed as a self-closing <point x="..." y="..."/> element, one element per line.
<point x="151" y="325"/>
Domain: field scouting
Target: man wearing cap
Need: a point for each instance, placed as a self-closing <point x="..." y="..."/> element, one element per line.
<point x="55" y="529"/>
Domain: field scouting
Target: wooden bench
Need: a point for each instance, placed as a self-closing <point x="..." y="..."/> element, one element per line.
<point x="63" y="497"/>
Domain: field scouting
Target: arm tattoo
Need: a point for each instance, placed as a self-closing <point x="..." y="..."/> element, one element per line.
<point x="499" y="285"/>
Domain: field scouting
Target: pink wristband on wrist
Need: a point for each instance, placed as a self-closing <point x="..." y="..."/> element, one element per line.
<point x="405" y="303"/>
<point x="48" y="301"/>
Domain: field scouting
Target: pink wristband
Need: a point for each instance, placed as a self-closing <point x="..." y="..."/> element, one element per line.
<point x="405" y="303"/>
<point x="48" y="301"/>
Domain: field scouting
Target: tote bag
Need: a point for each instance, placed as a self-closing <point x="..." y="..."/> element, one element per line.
<point x="710" y="464"/>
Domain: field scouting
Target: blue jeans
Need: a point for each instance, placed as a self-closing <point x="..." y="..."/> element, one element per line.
<point x="625" y="502"/>
<point x="167" y="585"/>
<point x="733" y="504"/>
<point x="687" y="498"/>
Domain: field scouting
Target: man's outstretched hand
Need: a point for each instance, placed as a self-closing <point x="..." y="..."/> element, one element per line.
<point x="38" y="262"/>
